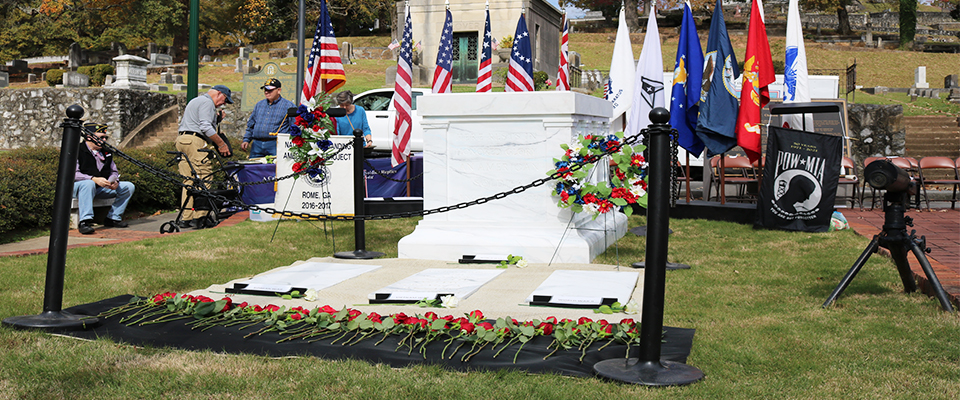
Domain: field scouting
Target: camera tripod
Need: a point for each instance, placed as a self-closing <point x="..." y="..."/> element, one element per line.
<point x="894" y="238"/>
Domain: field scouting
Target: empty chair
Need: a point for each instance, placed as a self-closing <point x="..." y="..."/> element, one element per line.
<point x="737" y="171"/>
<point x="848" y="177"/>
<point x="939" y="171"/>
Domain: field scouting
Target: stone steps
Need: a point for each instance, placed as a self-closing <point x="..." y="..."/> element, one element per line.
<point x="932" y="135"/>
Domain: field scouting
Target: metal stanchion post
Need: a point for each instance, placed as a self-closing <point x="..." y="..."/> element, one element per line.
<point x="52" y="318"/>
<point x="358" y="208"/>
<point x="649" y="369"/>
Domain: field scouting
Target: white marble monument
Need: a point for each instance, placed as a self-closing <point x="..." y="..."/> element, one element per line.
<point x="920" y="78"/>
<point x="131" y="73"/>
<point x="480" y="144"/>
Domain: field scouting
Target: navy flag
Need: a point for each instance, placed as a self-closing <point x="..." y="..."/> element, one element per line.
<point x="716" y="126"/>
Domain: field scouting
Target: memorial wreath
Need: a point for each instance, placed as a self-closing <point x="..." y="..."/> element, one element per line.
<point x="627" y="184"/>
<point x="310" y="136"/>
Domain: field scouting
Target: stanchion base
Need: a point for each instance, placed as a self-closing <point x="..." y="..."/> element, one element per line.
<point x="358" y="255"/>
<point x="670" y="266"/>
<point x="663" y="373"/>
<point x="52" y="320"/>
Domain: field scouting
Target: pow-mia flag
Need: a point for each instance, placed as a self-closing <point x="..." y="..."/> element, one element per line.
<point x="799" y="180"/>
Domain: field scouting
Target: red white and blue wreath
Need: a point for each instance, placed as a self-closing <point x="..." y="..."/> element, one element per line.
<point x="627" y="184"/>
<point x="310" y="135"/>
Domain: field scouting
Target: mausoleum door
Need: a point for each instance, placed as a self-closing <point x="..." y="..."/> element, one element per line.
<point x="465" y="57"/>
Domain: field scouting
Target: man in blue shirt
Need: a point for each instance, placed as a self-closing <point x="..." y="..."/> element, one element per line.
<point x="269" y="116"/>
<point x="356" y="118"/>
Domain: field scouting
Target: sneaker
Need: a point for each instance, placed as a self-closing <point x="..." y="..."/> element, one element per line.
<point x="112" y="223"/>
<point x="85" y="227"/>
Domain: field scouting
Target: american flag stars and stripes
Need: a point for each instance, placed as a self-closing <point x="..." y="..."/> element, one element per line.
<point x="563" y="74"/>
<point x="520" y="72"/>
<point x="485" y="75"/>
<point x="402" y="98"/>
<point x="324" y="69"/>
<point x="441" y="75"/>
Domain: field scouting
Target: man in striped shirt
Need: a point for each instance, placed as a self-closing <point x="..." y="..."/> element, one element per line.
<point x="268" y="116"/>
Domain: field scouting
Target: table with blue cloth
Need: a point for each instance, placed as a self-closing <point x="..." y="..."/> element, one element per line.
<point x="376" y="171"/>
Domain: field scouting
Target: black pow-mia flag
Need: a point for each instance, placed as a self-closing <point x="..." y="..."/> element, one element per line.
<point x="799" y="180"/>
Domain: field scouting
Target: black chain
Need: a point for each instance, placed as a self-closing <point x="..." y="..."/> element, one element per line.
<point x="408" y="214"/>
<point x="376" y="171"/>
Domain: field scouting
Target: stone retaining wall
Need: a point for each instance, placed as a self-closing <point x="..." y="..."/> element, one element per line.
<point x="876" y="130"/>
<point x="32" y="117"/>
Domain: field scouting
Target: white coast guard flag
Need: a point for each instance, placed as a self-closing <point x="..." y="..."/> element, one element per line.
<point x="619" y="89"/>
<point x="795" y="82"/>
<point x="648" y="84"/>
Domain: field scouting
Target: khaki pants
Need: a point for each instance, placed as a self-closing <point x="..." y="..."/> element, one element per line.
<point x="189" y="146"/>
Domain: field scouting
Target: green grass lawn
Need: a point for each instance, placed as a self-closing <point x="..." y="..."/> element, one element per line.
<point x="753" y="296"/>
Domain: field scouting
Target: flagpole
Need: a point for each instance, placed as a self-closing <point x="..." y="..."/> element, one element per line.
<point x="301" y="28"/>
<point x="687" y="176"/>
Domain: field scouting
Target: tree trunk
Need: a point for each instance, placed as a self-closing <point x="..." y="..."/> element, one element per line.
<point x="843" y="18"/>
<point x="630" y="12"/>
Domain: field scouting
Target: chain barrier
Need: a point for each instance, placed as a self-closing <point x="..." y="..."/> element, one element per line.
<point x="376" y="171"/>
<point x="225" y="202"/>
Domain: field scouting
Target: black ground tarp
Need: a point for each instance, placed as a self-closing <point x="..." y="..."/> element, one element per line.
<point x="176" y="334"/>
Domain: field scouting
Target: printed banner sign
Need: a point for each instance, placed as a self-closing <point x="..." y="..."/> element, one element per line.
<point x="327" y="194"/>
<point x="799" y="180"/>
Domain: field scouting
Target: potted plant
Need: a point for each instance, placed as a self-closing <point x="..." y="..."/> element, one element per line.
<point x="504" y="47"/>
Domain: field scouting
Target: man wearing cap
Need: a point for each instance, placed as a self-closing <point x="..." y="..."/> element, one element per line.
<point x="197" y="130"/>
<point x="268" y="118"/>
<point x="97" y="177"/>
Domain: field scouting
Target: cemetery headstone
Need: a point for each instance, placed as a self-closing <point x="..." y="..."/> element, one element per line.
<point x="346" y="52"/>
<point x="108" y="80"/>
<point x="954" y="96"/>
<point x="239" y="67"/>
<point x="4" y="79"/>
<point x="920" y="77"/>
<point x="151" y="48"/>
<point x="160" y="59"/>
<point x="244" y="52"/>
<point x="75" y="79"/>
<point x="951" y="81"/>
<point x="32" y="78"/>
<point x="73" y="57"/>
<point x="205" y="58"/>
<point x="131" y="73"/>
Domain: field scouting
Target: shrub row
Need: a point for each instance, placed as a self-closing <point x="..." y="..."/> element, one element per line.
<point x="97" y="73"/>
<point x="28" y="184"/>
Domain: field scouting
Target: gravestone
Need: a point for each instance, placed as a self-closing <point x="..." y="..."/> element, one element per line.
<point x="32" y="78"/>
<point x="951" y="81"/>
<point x="245" y="52"/>
<point x="954" y="96"/>
<point x="160" y="59"/>
<point x="920" y="78"/>
<point x="108" y="80"/>
<point x="480" y="144"/>
<point x="75" y="79"/>
<point x="151" y="49"/>
<point x="239" y="67"/>
<point x="868" y="39"/>
<point x="205" y="58"/>
<point x="4" y="79"/>
<point x="131" y="73"/>
<point x="346" y="53"/>
<point x="73" y="57"/>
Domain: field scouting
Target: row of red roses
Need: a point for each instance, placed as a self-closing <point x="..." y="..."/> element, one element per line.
<point x="349" y="326"/>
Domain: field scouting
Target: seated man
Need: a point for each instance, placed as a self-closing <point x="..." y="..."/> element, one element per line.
<point x="97" y="177"/>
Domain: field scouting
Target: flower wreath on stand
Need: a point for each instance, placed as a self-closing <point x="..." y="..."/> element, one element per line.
<point x="627" y="184"/>
<point x="310" y="136"/>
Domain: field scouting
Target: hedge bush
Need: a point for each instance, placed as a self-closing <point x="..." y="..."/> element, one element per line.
<point x="97" y="73"/>
<point x="28" y="184"/>
<point x="54" y="77"/>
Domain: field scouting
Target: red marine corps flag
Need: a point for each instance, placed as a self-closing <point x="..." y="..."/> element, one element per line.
<point x="757" y="75"/>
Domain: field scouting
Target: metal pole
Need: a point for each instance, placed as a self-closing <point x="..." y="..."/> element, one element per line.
<point x="301" y="28"/>
<point x="52" y="316"/>
<point x="359" y="192"/>
<point x="193" y="70"/>
<point x="649" y="369"/>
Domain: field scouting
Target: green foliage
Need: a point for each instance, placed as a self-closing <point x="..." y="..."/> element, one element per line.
<point x="97" y="73"/>
<point x="54" y="77"/>
<point x="506" y="42"/>
<point x="908" y="21"/>
<point x="27" y="187"/>
<point x="540" y="79"/>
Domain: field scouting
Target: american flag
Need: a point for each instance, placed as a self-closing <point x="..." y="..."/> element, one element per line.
<point x="563" y="75"/>
<point x="402" y="98"/>
<point x="520" y="73"/>
<point x="485" y="76"/>
<point x="324" y="68"/>
<point x="441" y="75"/>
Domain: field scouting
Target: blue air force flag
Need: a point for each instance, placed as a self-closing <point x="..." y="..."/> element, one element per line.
<point x="685" y="94"/>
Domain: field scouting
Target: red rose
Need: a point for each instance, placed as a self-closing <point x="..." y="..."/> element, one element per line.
<point x="466" y="327"/>
<point x="375" y="317"/>
<point x="243" y="305"/>
<point x="627" y="322"/>
<point x="476" y="315"/>
<point x="546" y="327"/>
<point x="327" y="309"/>
<point x="272" y="308"/>
<point x="584" y="320"/>
<point x="552" y="320"/>
<point x="564" y="195"/>
<point x="297" y="167"/>
<point x="296" y="317"/>
<point x="607" y="329"/>
<point x="432" y="316"/>
<point x="353" y="314"/>
<point x="298" y="141"/>
<point x="486" y="325"/>
<point x="448" y="318"/>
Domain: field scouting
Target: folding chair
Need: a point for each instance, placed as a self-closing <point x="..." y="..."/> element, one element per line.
<point x="848" y="169"/>
<point x="939" y="171"/>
